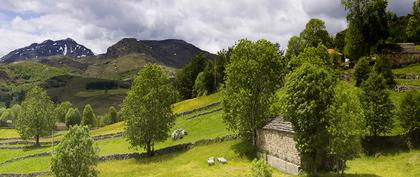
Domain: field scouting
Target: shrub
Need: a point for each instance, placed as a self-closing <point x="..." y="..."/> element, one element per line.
<point x="73" y="117"/>
<point x="260" y="168"/>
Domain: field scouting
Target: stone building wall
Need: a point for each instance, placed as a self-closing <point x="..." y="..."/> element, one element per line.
<point x="279" y="149"/>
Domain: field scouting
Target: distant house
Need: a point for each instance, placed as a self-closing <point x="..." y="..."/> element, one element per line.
<point x="401" y="53"/>
<point x="276" y="144"/>
<point x="338" y="57"/>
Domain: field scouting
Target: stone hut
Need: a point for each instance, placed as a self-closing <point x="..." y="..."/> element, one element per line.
<point x="401" y="53"/>
<point x="276" y="144"/>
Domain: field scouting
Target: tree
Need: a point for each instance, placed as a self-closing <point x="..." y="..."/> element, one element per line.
<point x="377" y="107"/>
<point x="383" y="66"/>
<point x="317" y="56"/>
<point x="76" y="155"/>
<point x="35" y="118"/>
<point x="416" y="9"/>
<point x="73" y="117"/>
<point x="61" y="111"/>
<point x="204" y="83"/>
<point x="309" y="92"/>
<point x="260" y="168"/>
<point x="368" y="26"/>
<point x="315" y="33"/>
<point x="413" y="29"/>
<point x="345" y="125"/>
<point x="409" y="114"/>
<point x="294" y="47"/>
<point x="112" y="112"/>
<point x="88" y="117"/>
<point x="186" y="77"/>
<point x="339" y="40"/>
<point x="361" y="70"/>
<point x="252" y="76"/>
<point x="222" y="59"/>
<point x="147" y="108"/>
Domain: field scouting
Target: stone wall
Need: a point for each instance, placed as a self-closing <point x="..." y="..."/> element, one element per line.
<point x="279" y="149"/>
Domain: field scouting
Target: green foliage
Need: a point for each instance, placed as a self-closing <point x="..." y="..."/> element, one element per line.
<point x="76" y="155"/>
<point x="361" y="70"/>
<point x="11" y="113"/>
<point x="186" y="77"/>
<point x="112" y="112"/>
<point x="88" y="117"/>
<point x="260" y="168"/>
<point x="309" y="92"/>
<point x="317" y="56"/>
<point x="413" y="29"/>
<point x="294" y="47"/>
<point x="383" y="66"/>
<point x="368" y="26"/>
<point x="204" y="83"/>
<point x="416" y="9"/>
<point x="376" y="104"/>
<point x="345" y="125"/>
<point x="147" y="108"/>
<point x="73" y="117"/>
<point x="35" y="118"/>
<point x="223" y="58"/>
<point x="409" y="111"/>
<point x="61" y="111"/>
<point x="252" y="76"/>
<point x="339" y="40"/>
<point x="315" y="33"/>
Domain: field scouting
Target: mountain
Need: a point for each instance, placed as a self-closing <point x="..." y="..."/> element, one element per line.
<point x="66" y="47"/>
<point x="170" y="52"/>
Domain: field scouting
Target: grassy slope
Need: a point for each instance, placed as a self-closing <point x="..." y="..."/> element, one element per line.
<point x="410" y="69"/>
<point x="190" y="163"/>
<point x="196" y="102"/>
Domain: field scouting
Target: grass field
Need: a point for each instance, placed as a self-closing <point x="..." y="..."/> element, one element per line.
<point x="8" y="133"/>
<point x="196" y="102"/>
<point x="92" y="93"/>
<point x="410" y="69"/>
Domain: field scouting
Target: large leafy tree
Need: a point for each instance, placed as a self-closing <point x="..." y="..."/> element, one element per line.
<point x="88" y="116"/>
<point x="186" y="77"/>
<point x="294" y="47"/>
<point x="36" y="117"/>
<point x="345" y="125"/>
<point x="314" y="55"/>
<point x="76" y="155"/>
<point x="309" y="93"/>
<point x="368" y="26"/>
<point x="315" y="33"/>
<point x="252" y="76"/>
<point x="204" y="83"/>
<point x="147" y="108"/>
<point x="376" y="104"/>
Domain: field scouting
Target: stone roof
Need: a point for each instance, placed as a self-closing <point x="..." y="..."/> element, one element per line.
<point x="279" y="124"/>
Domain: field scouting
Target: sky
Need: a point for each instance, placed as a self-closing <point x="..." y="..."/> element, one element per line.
<point x="211" y="25"/>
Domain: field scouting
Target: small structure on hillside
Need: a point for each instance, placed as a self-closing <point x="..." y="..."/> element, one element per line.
<point x="276" y="144"/>
<point x="401" y="53"/>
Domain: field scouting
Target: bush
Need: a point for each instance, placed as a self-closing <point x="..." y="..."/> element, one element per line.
<point x="260" y="168"/>
<point x="409" y="114"/>
<point x="73" y="117"/>
<point x="361" y="70"/>
<point x="76" y="155"/>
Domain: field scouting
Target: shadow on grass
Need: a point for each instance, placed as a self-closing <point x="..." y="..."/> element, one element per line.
<point x="245" y="149"/>
<point x="387" y="145"/>
<point x="159" y="158"/>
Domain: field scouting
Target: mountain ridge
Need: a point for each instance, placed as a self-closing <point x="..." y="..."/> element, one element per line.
<point x="65" y="47"/>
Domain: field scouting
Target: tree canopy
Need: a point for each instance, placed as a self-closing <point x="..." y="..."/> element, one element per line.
<point x="36" y="117"/>
<point x="254" y="73"/>
<point x="76" y="155"/>
<point x="147" y="108"/>
<point x="316" y="33"/>
<point x="186" y="77"/>
<point x="73" y="117"/>
<point x="88" y="116"/>
<point x="309" y="93"/>
<point x="376" y="104"/>
<point x="61" y="111"/>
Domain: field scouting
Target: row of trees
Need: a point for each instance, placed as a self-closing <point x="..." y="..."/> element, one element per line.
<point x="37" y="115"/>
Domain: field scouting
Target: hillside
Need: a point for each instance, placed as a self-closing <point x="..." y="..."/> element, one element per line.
<point x="170" y="52"/>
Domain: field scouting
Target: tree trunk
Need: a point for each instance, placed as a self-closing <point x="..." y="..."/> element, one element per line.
<point x="254" y="137"/>
<point x="37" y="140"/>
<point x="149" y="149"/>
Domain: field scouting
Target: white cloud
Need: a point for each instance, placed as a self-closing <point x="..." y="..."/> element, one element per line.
<point x="209" y="24"/>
